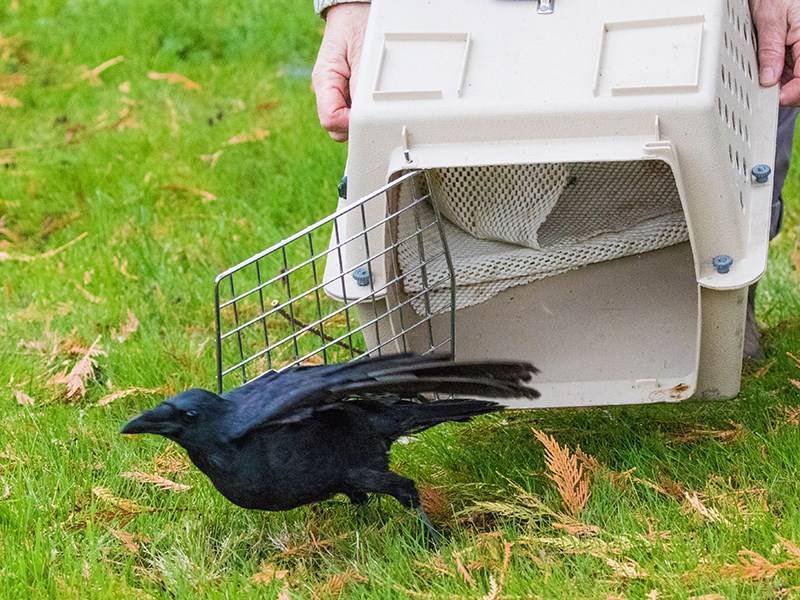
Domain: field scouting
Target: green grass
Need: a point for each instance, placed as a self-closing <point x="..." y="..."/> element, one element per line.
<point x="120" y="161"/>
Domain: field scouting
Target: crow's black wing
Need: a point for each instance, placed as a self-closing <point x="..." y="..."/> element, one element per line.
<point x="286" y="396"/>
<point x="293" y="395"/>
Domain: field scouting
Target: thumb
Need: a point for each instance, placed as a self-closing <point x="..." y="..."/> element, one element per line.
<point x="771" y="23"/>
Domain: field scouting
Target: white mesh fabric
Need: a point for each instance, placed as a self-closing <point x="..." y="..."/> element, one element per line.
<point x="604" y="211"/>
<point x="506" y="203"/>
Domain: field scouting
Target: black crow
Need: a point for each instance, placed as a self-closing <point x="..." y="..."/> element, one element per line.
<point x="303" y="434"/>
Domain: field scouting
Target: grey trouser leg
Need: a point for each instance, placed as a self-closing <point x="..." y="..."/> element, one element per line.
<point x="783" y="155"/>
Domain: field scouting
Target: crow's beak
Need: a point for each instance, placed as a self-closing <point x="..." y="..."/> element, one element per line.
<point x="159" y="420"/>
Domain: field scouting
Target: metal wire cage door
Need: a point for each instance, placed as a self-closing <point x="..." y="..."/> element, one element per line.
<point x="336" y="291"/>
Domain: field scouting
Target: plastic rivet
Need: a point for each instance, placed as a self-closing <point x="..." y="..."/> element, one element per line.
<point x="361" y="275"/>
<point x="723" y="263"/>
<point x="343" y="188"/>
<point x="761" y="173"/>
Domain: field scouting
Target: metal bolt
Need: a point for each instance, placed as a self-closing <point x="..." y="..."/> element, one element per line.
<point x="343" y="188"/>
<point x="361" y="275"/>
<point x="545" y="7"/>
<point x="722" y="263"/>
<point x="761" y="173"/>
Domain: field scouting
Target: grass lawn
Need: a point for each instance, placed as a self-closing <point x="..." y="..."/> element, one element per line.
<point x="146" y="146"/>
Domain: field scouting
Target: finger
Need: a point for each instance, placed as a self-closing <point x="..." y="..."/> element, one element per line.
<point x="771" y="23"/>
<point x="334" y="114"/>
<point x="790" y="90"/>
<point x="790" y="93"/>
<point x="333" y="105"/>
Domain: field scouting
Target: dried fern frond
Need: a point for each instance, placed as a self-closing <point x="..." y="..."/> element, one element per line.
<point x="698" y="433"/>
<point x="108" y="399"/>
<point x="792" y="414"/>
<point x="627" y="569"/>
<point x="531" y="501"/>
<point x="129" y="541"/>
<point x="596" y="546"/>
<point x="127" y="329"/>
<point x="268" y="573"/>
<point x="791" y="548"/>
<point x="156" y="480"/>
<point x="23" y="399"/>
<point x="337" y="582"/>
<point x="572" y="481"/>
<point x="123" y="505"/>
<point x="83" y="370"/>
<point x="695" y="503"/>
<point x="755" y="567"/>
<point x="171" y="461"/>
<point x="463" y="571"/>
<point x="503" y="509"/>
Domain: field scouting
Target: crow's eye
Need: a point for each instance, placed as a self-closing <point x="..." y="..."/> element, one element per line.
<point x="190" y="416"/>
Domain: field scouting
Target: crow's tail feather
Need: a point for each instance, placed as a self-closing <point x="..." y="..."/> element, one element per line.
<point x="408" y="375"/>
<point x="395" y="417"/>
<point x="440" y="411"/>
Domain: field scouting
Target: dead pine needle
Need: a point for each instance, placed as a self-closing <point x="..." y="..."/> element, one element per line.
<point x="175" y="79"/>
<point x="93" y="75"/>
<point x="9" y="101"/>
<point x="8" y="156"/>
<point x="211" y="158"/>
<point x="572" y="481"/>
<point x="45" y="255"/>
<point x="248" y="136"/>
<point x="88" y="295"/>
<point x="205" y="196"/>
<point x="122" y="267"/>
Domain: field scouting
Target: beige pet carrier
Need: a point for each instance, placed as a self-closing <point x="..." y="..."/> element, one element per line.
<point x="583" y="185"/>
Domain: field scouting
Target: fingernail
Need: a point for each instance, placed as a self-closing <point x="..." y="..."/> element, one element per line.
<point x="766" y="75"/>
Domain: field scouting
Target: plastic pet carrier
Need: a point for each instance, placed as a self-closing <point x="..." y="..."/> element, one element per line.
<point x="583" y="185"/>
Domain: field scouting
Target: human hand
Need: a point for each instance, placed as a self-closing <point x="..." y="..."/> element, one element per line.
<point x="778" y="26"/>
<point x="336" y="69"/>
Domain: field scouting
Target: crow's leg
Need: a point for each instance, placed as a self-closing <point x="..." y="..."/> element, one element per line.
<point x="361" y="500"/>
<point x="434" y="536"/>
<point x="401" y="488"/>
<point x="358" y="497"/>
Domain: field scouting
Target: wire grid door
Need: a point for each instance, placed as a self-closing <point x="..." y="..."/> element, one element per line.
<point x="275" y="309"/>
